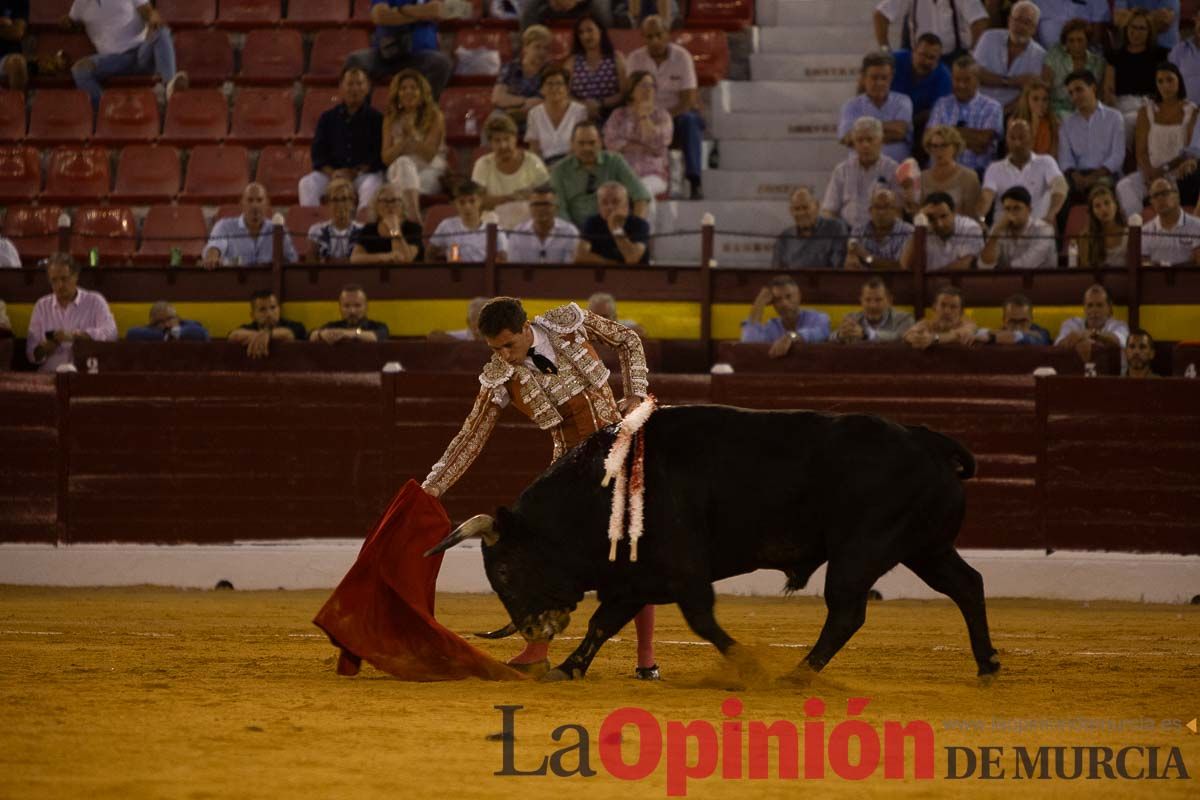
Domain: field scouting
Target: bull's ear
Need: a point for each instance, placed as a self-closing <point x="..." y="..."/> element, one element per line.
<point x="479" y="526"/>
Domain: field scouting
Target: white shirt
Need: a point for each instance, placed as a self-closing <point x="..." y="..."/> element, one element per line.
<point x="553" y="141"/>
<point x="114" y="26"/>
<point x="1039" y="175"/>
<point x="937" y="16"/>
<point x="1079" y="325"/>
<point x="848" y="194"/>
<point x="559" y="247"/>
<point x="1169" y="247"/>
<point x="472" y="243"/>
<point x="9" y="257"/>
<point x="967" y="239"/>
<point x="676" y="74"/>
<point x="1036" y="247"/>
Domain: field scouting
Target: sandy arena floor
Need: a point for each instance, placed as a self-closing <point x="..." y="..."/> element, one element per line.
<point x="148" y="692"/>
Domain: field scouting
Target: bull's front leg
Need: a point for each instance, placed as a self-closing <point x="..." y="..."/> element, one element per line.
<point x="696" y="603"/>
<point x="609" y="619"/>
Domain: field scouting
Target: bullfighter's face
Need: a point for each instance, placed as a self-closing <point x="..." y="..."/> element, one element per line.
<point x="512" y="347"/>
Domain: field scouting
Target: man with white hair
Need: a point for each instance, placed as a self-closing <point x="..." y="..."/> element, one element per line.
<point x="614" y="235"/>
<point x="893" y="109"/>
<point x="848" y="194"/>
<point x="814" y="241"/>
<point x="1008" y="60"/>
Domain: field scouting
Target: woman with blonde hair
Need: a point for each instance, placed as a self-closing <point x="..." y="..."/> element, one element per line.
<point x="519" y="84"/>
<point x="414" y="140"/>
<point x="1033" y="106"/>
<point x="508" y="173"/>
<point x="1103" y="244"/>
<point x="387" y="241"/>
<point x="944" y="174"/>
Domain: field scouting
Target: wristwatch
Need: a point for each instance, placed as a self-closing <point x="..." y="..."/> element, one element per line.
<point x="793" y="335"/>
<point x="937" y="338"/>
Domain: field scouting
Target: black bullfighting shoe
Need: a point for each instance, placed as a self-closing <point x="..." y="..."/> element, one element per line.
<point x="649" y="673"/>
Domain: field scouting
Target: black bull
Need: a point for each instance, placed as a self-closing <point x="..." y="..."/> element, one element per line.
<point x="729" y="491"/>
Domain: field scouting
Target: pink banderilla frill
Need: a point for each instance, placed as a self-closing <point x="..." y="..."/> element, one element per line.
<point x="628" y="490"/>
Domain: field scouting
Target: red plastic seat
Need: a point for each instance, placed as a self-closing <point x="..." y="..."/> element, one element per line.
<point x="710" y="50"/>
<point x="77" y="174"/>
<point x="216" y="174"/>
<point x="434" y="216"/>
<point x="240" y="15"/>
<point x="127" y="115"/>
<point x="12" y="115"/>
<point x="60" y="116"/>
<point x="34" y="230"/>
<point x="316" y="102"/>
<point x="75" y="45"/>
<point x="455" y="103"/>
<point x="147" y="174"/>
<point x="329" y="51"/>
<point x="110" y="229"/>
<point x="273" y="56"/>
<point x="206" y="54"/>
<point x="172" y="226"/>
<point x="180" y="14"/>
<point x="379" y="98"/>
<point x="316" y="13"/>
<point x="262" y="116"/>
<point x="728" y="15"/>
<point x="197" y="116"/>
<point x="625" y="40"/>
<point x="44" y="15"/>
<point x="298" y="220"/>
<point x="20" y="173"/>
<point x="280" y="169"/>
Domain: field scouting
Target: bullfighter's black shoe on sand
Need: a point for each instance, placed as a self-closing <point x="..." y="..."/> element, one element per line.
<point x="649" y="673"/>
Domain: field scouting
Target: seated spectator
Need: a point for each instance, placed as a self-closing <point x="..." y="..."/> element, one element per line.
<point x="508" y="173"/>
<point x="632" y="13"/>
<point x="815" y="241"/>
<point x="603" y="304"/>
<point x="1018" y="325"/>
<point x="792" y="323"/>
<point x="265" y="326"/>
<point x="130" y="39"/>
<point x="1096" y="326"/>
<point x="1104" y="243"/>
<point x="677" y="93"/>
<point x="596" y="70"/>
<point x="1018" y="239"/>
<point x="1173" y="236"/>
<point x="405" y="37"/>
<point x="543" y="12"/>
<point x="946" y="326"/>
<point x="1057" y="13"/>
<point x="953" y="241"/>
<point x="641" y="132"/>
<point x="1071" y="54"/>
<point x="878" y="242"/>
<point x="867" y="169"/>
<point x="248" y="239"/>
<point x="166" y="325"/>
<point x="1129" y="77"/>
<point x="549" y="125"/>
<point x="390" y="239"/>
<point x="414" y="140"/>
<point x="958" y="24"/>
<point x="9" y="257"/>
<point x="331" y="240"/>
<point x="1010" y="59"/>
<point x="945" y="174"/>
<point x="464" y="238"/>
<point x="347" y="144"/>
<point x="878" y="321"/>
<point x="977" y="118"/>
<point x="1162" y="16"/>
<point x="1091" y="142"/>
<point x="518" y="88"/>
<point x="576" y="177"/>
<point x="921" y="76"/>
<point x="5" y="322"/>
<point x="1139" y="355"/>
<point x="612" y="235"/>
<point x="1039" y="175"/>
<point x="1160" y="140"/>
<point x="1033" y="108"/>
<point x="66" y="315"/>
<point x="14" y="22"/>
<point x="877" y="101"/>
<point x="354" y="324"/>
<point x="545" y="238"/>
<point x="469" y="333"/>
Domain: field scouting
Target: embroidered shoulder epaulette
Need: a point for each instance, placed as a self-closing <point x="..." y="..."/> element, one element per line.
<point x="561" y="320"/>
<point x="496" y="373"/>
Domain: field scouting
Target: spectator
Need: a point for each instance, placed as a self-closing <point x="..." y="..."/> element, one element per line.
<point x="414" y="140"/>
<point x="9" y="257"/>
<point x="854" y="181"/>
<point x="1164" y="126"/>
<point x="469" y="333"/>
<point x="1010" y="59"/>
<point x="878" y="101"/>
<point x="604" y="305"/>
<point x="265" y="326"/>
<point x="5" y="322"/>
<point x="405" y="37"/>
<point x="1039" y="174"/>
<point x="1091" y="142"/>
<point x="576" y="177"/>
<point x="1186" y="56"/>
<point x="922" y="77"/>
<point x="641" y="132"/>
<point x="508" y="172"/>
<point x="1057" y="13"/>
<point x="815" y="241"/>
<point x="1130" y="75"/>
<point x="1104" y="243"/>
<point x="613" y="235"/>
<point x="953" y="241"/>
<point x="464" y="238"/>
<point x="1173" y="236"/>
<point x="1018" y="239"/>
<point x="1096" y="326"/>
<point x="166" y="325"/>
<point x="792" y="323"/>
<point x="977" y="117"/>
<point x="947" y="326"/>
<point x="1033" y="107"/>
<point x="549" y="125"/>
<point x="597" y="71"/>
<point x="130" y="39"/>
<point x="1018" y="326"/>
<point x="878" y="242"/>
<point x="390" y="239"/>
<point x="678" y="93"/>
<point x="543" y="12"/>
<point x="545" y="238"/>
<point x="354" y="324"/>
<point x="348" y="143"/>
<point x="958" y="24"/>
<point x="1139" y="355"/>
<point x="1162" y="15"/>
<point x="945" y="146"/>
<point x="14" y="20"/>
<point x="878" y="321"/>
<point x="331" y="240"/>
<point x="65" y="315"/>
<point x="247" y="239"/>
<point x="518" y="88"/>
<point x="632" y="13"/>
<point x="1071" y="54"/>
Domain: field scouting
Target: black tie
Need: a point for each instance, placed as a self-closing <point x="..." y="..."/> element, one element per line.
<point x="544" y="365"/>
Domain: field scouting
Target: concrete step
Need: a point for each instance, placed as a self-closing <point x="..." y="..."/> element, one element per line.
<point x="810" y="67"/>
<point x="766" y="186"/>
<point x="781" y="155"/>
<point x="773" y="97"/>
<point x="846" y="12"/>
<point x="730" y="125"/>
<point x="855" y="39"/>
<point x="762" y="221"/>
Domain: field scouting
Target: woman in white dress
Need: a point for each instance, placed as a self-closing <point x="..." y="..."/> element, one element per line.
<point x="549" y="126"/>
<point x="414" y="140"/>
<point x="1163" y="130"/>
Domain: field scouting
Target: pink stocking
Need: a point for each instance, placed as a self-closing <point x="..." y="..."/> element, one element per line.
<point x="644" y="621"/>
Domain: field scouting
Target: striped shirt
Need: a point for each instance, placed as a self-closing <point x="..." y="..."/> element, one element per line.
<point x="87" y="313"/>
<point x="896" y="108"/>
<point x="980" y="113"/>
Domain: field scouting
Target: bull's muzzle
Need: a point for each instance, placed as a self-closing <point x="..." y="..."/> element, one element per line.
<point x="480" y="526"/>
<point x="546" y="625"/>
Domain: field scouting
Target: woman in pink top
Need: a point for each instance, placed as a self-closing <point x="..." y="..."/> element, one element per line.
<point x="641" y="132"/>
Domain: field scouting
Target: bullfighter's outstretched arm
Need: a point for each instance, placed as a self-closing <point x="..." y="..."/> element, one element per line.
<point x="634" y="373"/>
<point x="465" y="446"/>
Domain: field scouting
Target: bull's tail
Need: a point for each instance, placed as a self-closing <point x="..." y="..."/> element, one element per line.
<point x="949" y="448"/>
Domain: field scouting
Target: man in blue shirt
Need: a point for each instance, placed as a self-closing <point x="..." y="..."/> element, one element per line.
<point x="166" y="325"/>
<point x="1091" y="142"/>
<point x="794" y="324"/>
<point x="892" y="109"/>
<point x="922" y="76"/>
<point x="405" y="36"/>
<point x="348" y="144"/>
<point x="248" y="239"/>
<point x="1018" y="326"/>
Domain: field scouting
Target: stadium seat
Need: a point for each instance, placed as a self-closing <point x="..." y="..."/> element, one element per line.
<point x="74" y="45"/>
<point x="112" y="230"/>
<point x="77" y="174"/>
<point x="272" y="56"/>
<point x="12" y="115"/>
<point x="455" y="103"/>
<point x="361" y="13"/>
<point x="1077" y="221"/>
<point x="172" y="226"/>
<point x="181" y="14"/>
<point x="298" y="220"/>
<point x="206" y="54"/>
<point x="44" y="15"/>
<point x="216" y="174"/>
<point x="473" y="20"/>
<point x="197" y="116"/>
<point x="60" y="116"/>
<point x="710" y="49"/>
<point x="20" y="173"/>
<point x="316" y="13"/>
<point x="316" y="102"/>
<point x="280" y="169"/>
<point x="728" y="15"/>
<point x="127" y="115"/>
<point x="240" y="15"/>
<point x="329" y="50"/>
<point x="434" y="216"/>
<point x="479" y="37"/>
<point x="34" y="230"/>
<point x="147" y="174"/>
<point x="625" y="40"/>
<point x="262" y="116"/>
<point x="560" y="45"/>
<point x="379" y="98"/>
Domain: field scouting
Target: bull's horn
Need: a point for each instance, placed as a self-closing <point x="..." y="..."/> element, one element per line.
<point x="480" y="526"/>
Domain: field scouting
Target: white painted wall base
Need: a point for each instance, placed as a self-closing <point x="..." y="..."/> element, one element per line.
<point x="320" y="564"/>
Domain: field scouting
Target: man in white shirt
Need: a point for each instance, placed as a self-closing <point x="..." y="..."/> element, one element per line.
<point x="1018" y="240"/>
<point x="545" y="238"/>
<point x="953" y="241"/>
<point x="855" y="180"/>
<point x="464" y="238"/>
<point x="1173" y="236"/>
<point x="958" y="23"/>
<point x="1038" y="173"/>
<point x="130" y="39"/>
<point x="1008" y="60"/>
<point x="66" y="315"/>
<point x="1096" y="326"/>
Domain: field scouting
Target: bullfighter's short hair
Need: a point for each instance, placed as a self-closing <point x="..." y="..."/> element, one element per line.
<point x="502" y="314"/>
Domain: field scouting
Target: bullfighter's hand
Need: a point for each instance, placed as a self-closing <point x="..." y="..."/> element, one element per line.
<point x="432" y="491"/>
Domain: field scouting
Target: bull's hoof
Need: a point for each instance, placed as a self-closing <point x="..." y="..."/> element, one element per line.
<point x="348" y="664"/>
<point x="799" y="678"/>
<point x="989" y="671"/>
<point x="749" y="669"/>
<point x="558" y="674"/>
<point x="535" y="669"/>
